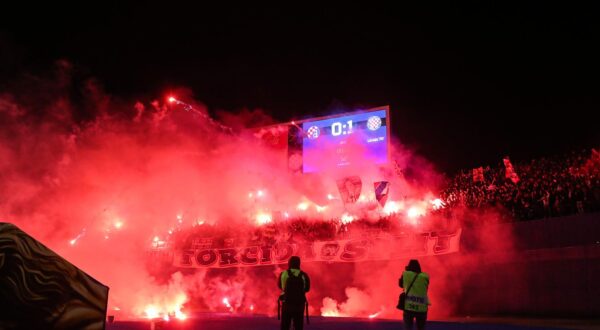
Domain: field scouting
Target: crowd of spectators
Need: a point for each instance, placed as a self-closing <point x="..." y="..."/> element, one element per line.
<point x="547" y="187"/>
<point x="298" y="229"/>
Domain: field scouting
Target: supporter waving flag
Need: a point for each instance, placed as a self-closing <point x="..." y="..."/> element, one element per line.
<point x="592" y="165"/>
<point x="510" y="171"/>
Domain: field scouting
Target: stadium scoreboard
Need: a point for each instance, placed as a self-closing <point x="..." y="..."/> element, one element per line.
<point x="340" y="140"/>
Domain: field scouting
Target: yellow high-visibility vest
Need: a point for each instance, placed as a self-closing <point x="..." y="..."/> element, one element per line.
<point x="285" y="275"/>
<point x="416" y="299"/>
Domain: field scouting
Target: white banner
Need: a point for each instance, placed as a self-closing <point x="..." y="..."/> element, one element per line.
<point x="349" y="250"/>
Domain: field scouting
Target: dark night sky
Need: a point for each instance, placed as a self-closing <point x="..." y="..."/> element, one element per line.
<point x="467" y="84"/>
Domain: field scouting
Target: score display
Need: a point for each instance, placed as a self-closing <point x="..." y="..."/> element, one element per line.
<point x="344" y="139"/>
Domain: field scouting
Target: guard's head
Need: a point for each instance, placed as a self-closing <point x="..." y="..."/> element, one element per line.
<point x="414" y="266"/>
<point x="294" y="262"/>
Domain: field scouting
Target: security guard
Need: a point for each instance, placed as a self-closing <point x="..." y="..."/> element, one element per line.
<point x="415" y="284"/>
<point x="294" y="285"/>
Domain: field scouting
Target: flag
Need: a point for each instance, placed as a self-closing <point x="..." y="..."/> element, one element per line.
<point x="592" y="165"/>
<point x="510" y="171"/>
<point x="399" y="171"/>
<point x="349" y="188"/>
<point x="274" y="137"/>
<point x="478" y="174"/>
<point x="381" y="191"/>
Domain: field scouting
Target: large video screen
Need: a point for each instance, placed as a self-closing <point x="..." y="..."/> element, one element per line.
<point x="342" y="140"/>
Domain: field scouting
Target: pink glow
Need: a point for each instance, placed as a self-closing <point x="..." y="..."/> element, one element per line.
<point x="135" y="176"/>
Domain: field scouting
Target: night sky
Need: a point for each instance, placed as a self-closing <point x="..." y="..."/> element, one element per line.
<point x="467" y="84"/>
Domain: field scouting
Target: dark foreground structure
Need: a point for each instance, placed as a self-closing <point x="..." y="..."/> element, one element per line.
<point x="41" y="290"/>
<point x="223" y="322"/>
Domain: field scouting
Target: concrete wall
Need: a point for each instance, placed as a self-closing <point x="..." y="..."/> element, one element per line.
<point x="553" y="271"/>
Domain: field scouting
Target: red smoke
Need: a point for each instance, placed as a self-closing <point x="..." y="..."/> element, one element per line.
<point x="98" y="180"/>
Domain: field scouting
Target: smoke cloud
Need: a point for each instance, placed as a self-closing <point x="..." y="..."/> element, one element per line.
<point x="99" y="179"/>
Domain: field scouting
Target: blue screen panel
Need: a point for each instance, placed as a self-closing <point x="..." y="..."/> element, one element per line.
<point x="345" y="139"/>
